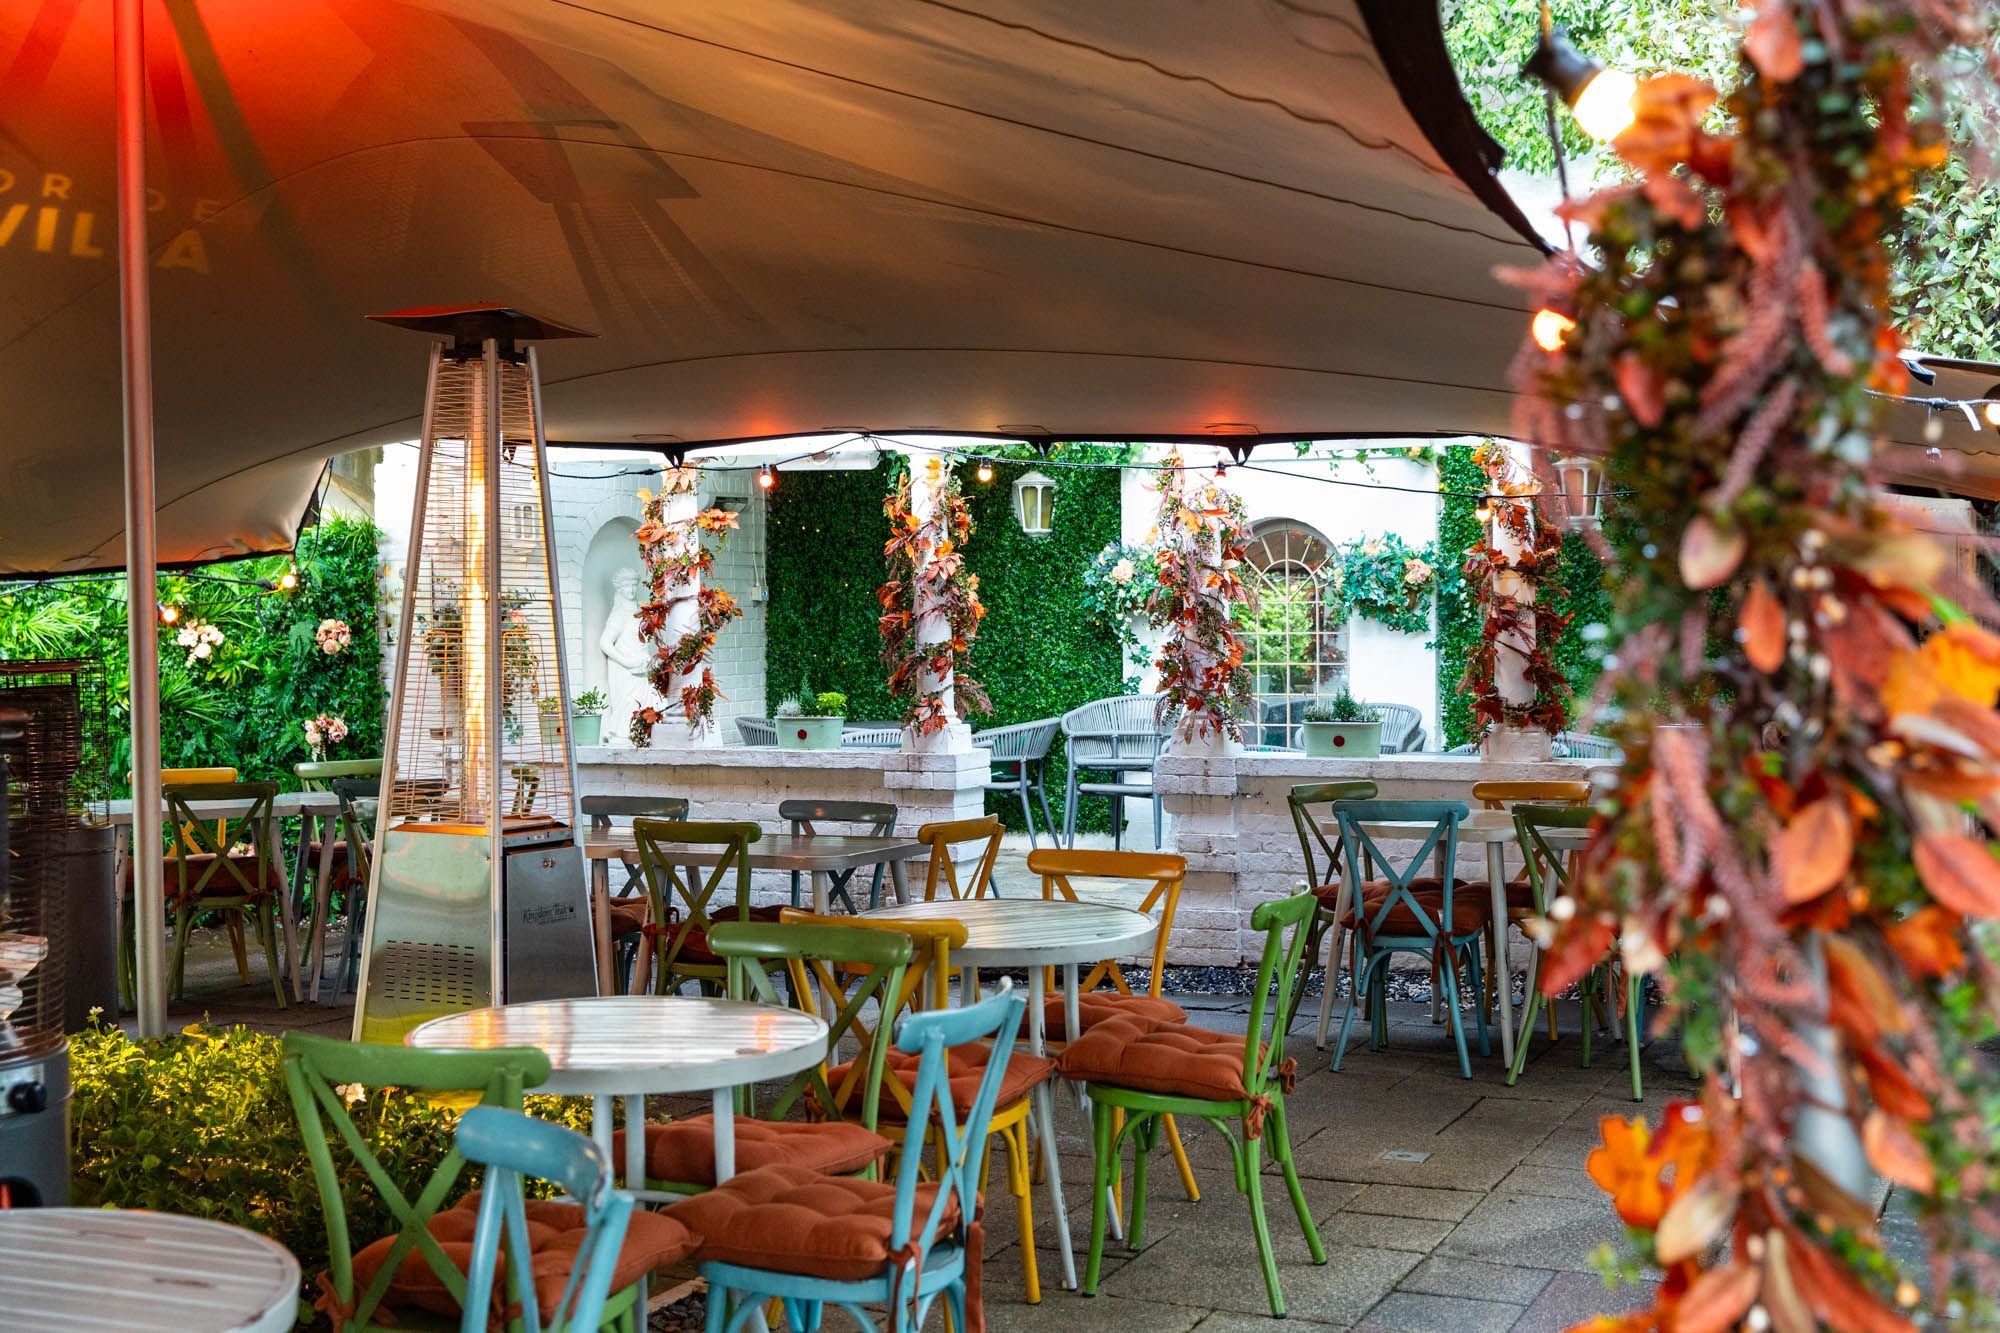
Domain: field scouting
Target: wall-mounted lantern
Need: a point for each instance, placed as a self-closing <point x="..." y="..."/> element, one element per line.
<point x="1035" y="503"/>
<point x="1582" y="491"/>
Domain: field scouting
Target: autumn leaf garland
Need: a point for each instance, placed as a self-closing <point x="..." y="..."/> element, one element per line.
<point x="1201" y="546"/>
<point x="927" y="573"/>
<point x="677" y="560"/>
<point x="1505" y="621"/>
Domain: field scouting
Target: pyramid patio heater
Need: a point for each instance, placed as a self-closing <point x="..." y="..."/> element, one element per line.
<point x="477" y="894"/>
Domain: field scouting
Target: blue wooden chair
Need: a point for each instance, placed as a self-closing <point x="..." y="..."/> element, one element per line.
<point x="757" y="1247"/>
<point x="512" y="1146"/>
<point x="1406" y="912"/>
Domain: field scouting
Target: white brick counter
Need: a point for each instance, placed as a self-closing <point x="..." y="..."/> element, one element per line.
<point x="1229" y="818"/>
<point x="746" y="782"/>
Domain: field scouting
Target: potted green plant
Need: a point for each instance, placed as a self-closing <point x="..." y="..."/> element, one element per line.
<point x="1342" y="729"/>
<point x="587" y="716"/>
<point x="551" y="712"/>
<point x="815" y="723"/>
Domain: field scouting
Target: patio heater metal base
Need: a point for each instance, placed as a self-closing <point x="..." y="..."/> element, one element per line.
<point x="34" y="1130"/>
<point x="435" y="932"/>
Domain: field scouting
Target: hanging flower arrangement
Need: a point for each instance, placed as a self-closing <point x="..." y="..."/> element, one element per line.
<point x="928" y="582"/>
<point x="1801" y="840"/>
<point x="1492" y="575"/>
<point x="323" y="732"/>
<point x="678" y="564"/>
<point x="1202" y="536"/>
<point x="333" y="637"/>
<point x="1117" y="586"/>
<point x="1386" y="580"/>
<point x="201" y="639"/>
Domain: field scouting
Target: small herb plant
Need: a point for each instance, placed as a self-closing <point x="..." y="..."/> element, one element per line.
<point x="789" y="706"/>
<point x="1345" y="708"/>
<point x="1318" y="713"/>
<point x="591" y="703"/>
<point x="829" y="704"/>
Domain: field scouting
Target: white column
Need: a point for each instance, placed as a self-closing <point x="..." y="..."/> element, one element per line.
<point x="681" y="591"/>
<point x="930" y="478"/>
<point x="1510" y="669"/>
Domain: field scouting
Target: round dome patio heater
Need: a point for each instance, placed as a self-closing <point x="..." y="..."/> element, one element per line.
<point x="477" y="894"/>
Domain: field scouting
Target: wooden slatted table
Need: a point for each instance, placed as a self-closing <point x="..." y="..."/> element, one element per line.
<point x="633" y="1045"/>
<point x="1035" y="933"/>
<point x="110" y="1270"/>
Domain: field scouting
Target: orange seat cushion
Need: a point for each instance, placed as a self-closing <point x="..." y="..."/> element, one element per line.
<point x="1469" y="910"/>
<point x="967" y="1065"/>
<point x="556" y="1232"/>
<point x="628" y="915"/>
<point x="790" y="1219"/>
<point x="695" y="948"/>
<point x="1102" y="1006"/>
<point x="221" y="884"/>
<point x="1329" y="894"/>
<point x="1170" y="1058"/>
<point x="683" y="1152"/>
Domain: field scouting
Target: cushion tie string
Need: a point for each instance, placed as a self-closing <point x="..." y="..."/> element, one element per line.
<point x="341" y="1312"/>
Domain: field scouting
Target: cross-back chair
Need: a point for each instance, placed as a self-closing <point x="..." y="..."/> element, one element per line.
<point x="926" y="988"/>
<point x="944" y="836"/>
<point x="1146" y="1071"/>
<point x="1496" y="795"/>
<point x="754" y="1249"/>
<point x="1323" y="876"/>
<point x="359" y="807"/>
<point x="679" y="899"/>
<point x="628" y="906"/>
<point x="1401" y="912"/>
<point x="807" y="816"/>
<point x="1549" y="872"/>
<point x="861" y="972"/>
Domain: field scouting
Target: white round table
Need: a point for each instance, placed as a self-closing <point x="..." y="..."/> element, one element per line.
<point x="632" y="1045"/>
<point x="108" y="1269"/>
<point x="1034" y="933"/>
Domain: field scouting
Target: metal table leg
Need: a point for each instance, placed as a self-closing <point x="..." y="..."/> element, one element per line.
<point x="1503" y="985"/>
<point x="899" y="880"/>
<point x="600" y="925"/>
<point x="1045" y="1124"/>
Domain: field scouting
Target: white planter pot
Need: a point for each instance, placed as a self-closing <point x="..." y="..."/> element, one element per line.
<point x="1342" y="740"/>
<point x="808" y="733"/>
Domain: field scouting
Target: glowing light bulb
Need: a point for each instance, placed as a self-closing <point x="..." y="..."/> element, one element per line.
<point x="766" y="478"/>
<point x="1221" y="471"/>
<point x="169" y="613"/>
<point x="1993" y="414"/>
<point x="1606" y="107"/>
<point x="288" y="580"/>
<point x="1549" y="328"/>
<point x="985" y="470"/>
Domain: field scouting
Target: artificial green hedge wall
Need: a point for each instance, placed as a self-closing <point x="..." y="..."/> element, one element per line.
<point x="1039" y="654"/>
<point x="1587" y="599"/>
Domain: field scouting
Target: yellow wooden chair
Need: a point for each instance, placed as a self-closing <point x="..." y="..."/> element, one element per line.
<point x="1165" y="873"/>
<point x="184" y="841"/>
<point x="1520" y="891"/>
<point x="926" y="986"/>
<point x="945" y="835"/>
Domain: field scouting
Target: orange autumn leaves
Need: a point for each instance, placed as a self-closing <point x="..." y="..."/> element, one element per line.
<point x="1642" y="1171"/>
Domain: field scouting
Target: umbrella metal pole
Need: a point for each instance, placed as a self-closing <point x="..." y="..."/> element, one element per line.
<point x="135" y="307"/>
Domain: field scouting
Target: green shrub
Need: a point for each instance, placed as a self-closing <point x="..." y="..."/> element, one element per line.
<point x="830" y="704"/>
<point x="198" y="1122"/>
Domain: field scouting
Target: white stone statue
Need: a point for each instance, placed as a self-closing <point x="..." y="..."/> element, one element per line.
<point x="626" y="660"/>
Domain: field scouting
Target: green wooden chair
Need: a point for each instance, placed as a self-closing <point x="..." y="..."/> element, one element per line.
<point x="316" y="1069"/>
<point x="1328" y="888"/>
<point x="680" y="950"/>
<point x="1150" y="1071"/>
<point x="628" y="906"/>
<point x="1548" y="876"/>
<point x="206" y="873"/>
<point x="319" y="774"/>
<point x="859" y="971"/>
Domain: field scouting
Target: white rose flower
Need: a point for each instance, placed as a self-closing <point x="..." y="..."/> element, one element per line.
<point x="1122" y="572"/>
<point x="1372" y="547"/>
<point x="1416" y="573"/>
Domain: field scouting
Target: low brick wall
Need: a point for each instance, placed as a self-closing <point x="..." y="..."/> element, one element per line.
<point x="1229" y="818"/>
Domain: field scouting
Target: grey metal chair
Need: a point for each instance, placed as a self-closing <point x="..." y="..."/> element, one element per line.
<point x="1470" y="747"/>
<point x="1402" y="727"/>
<point x="879" y="817"/>
<point x="1583" y="745"/>
<point x="757" y="730"/>
<point x="1019" y="752"/>
<point x="1120" y="736"/>
<point x="884" y="737"/>
<point x="601" y="810"/>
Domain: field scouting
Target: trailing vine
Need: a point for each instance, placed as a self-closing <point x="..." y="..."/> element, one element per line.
<point x="1801" y="838"/>
<point x="1506" y="622"/>
<point x="1201" y="544"/>
<point x="930" y="603"/>
<point x="1386" y="580"/>
<point x="678" y="564"/>
<point x="1119" y="583"/>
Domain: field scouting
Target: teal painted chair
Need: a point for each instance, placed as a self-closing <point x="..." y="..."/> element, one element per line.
<point x="864" y="969"/>
<point x="1405" y="912"/>
<point x="810" y="1241"/>
<point x="1548" y="876"/>
<point x="1146" y="1071"/>
<point x="1322" y="857"/>
<point x="512" y="1146"/>
<point x="415" y="1277"/>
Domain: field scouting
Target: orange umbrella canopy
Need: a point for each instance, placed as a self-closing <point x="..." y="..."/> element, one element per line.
<point x="1121" y="219"/>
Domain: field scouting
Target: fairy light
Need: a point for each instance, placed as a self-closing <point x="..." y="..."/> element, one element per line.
<point x="985" y="472"/>
<point x="288" y="581"/>
<point x="766" y="478"/>
<point x="1550" y="328"/>
<point x="169" y="613"/>
<point x="1602" y="100"/>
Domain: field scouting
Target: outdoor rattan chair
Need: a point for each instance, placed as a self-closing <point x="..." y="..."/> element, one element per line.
<point x="1121" y="736"/>
<point x="872" y="738"/>
<point x="1018" y="755"/>
<point x="757" y="730"/>
<point x="1402" y="727"/>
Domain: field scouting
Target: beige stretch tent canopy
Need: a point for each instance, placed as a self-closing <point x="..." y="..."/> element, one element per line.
<point x="1121" y="218"/>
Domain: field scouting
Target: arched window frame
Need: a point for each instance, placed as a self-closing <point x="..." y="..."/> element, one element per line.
<point x="1293" y="663"/>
